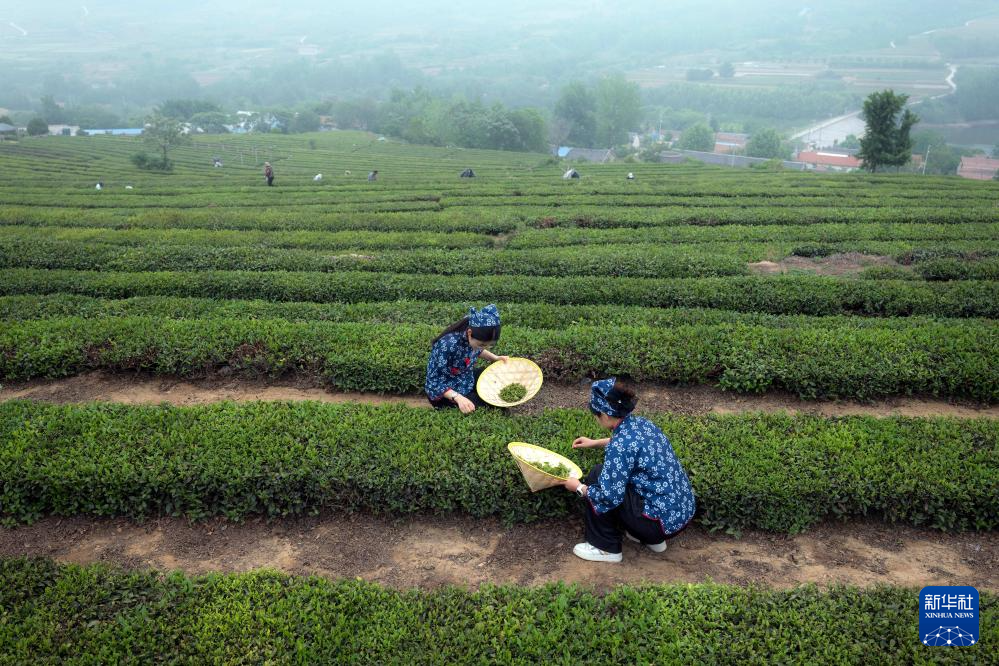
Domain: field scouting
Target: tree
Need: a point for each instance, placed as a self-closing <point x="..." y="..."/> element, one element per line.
<point x="184" y="109"/>
<point x="698" y="137"/>
<point x="531" y="128"/>
<point x="162" y="133"/>
<point x="700" y="74"/>
<point x="766" y="143"/>
<point x="356" y="114"/>
<point x="619" y="109"/>
<point x="851" y="141"/>
<point x="211" y="122"/>
<point x="726" y="70"/>
<point x="995" y="151"/>
<point x="37" y="127"/>
<point x="52" y="111"/>
<point x="93" y="117"/>
<point x="578" y="108"/>
<point x="886" y="140"/>
<point x="940" y="158"/>
<point x="6" y="120"/>
<point x="304" y="121"/>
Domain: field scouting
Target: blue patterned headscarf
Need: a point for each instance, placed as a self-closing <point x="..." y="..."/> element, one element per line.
<point x="487" y="316"/>
<point x="611" y="406"/>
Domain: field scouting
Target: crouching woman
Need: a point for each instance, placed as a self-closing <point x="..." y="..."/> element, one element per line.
<point x="641" y="490"/>
<point x="451" y="373"/>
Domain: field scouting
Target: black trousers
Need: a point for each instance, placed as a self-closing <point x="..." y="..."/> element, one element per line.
<point x="605" y="530"/>
<point x="444" y="403"/>
<point x="270" y="181"/>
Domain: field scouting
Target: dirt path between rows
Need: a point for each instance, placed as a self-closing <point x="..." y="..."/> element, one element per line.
<point x="430" y="552"/>
<point x="846" y="263"/>
<point x="694" y="400"/>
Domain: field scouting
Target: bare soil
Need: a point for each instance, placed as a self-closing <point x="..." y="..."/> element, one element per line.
<point x="128" y="388"/>
<point x="847" y="263"/>
<point x="430" y="552"/>
<point x="144" y="389"/>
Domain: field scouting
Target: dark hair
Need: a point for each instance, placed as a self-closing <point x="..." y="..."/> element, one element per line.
<point x="622" y="397"/>
<point x="488" y="334"/>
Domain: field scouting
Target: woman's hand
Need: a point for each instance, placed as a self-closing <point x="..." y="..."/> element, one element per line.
<point x="584" y="443"/>
<point x="571" y="484"/>
<point x="464" y="404"/>
<point x="504" y="359"/>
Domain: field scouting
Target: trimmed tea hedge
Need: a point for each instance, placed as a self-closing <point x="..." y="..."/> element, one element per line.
<point x="436" y="313"/>
<point x="737" y="233"/>
<point x="308" y="240"/>
<point x="625" y="260"/>
<point x="808" y="295"/>
<point x="773" y="472"/>
<point x="254" y="219"/>
<point x="942" y="360"/>
<point x="68" y="614"/>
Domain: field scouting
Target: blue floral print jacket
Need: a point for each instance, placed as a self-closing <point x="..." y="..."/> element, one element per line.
<point x="451" y="366"/>
<point x="640" y="455"/>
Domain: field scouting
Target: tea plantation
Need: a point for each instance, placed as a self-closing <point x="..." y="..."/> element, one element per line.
<point x="845" y="287"/>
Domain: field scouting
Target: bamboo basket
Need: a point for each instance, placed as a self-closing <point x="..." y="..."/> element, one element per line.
<point x="515" y="371"/>
<point x="537" y="479"/>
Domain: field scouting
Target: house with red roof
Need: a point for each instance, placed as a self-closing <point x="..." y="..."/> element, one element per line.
<point x="828" y="161"/>
<point x="730" y="142"/>
<point x="978" y="168"/>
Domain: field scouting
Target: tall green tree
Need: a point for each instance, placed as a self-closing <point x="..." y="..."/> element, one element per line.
<point x="851" y="141"/>
<point x="162" y="134"/>
<point x="37" y="127"/>
<point x="52" y="112"/>
<point x="304" y="121"/>
<point x="940" y="158"/>
<point x="184" y="109"/>
<point x="766" y="143"/>
<point x="698" y="137"/>
<point x="886" y="141"/>
<point x="532" y="129"/>
<point x="577" y="107"/>
<point x="211" y="122"/>
<point x="619" y="109"/>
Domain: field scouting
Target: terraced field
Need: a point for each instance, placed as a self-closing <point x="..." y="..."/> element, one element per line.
<point x="730" y="296"/>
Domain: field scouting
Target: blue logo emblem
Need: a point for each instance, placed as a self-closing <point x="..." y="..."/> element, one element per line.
<point x="948" y="616"/>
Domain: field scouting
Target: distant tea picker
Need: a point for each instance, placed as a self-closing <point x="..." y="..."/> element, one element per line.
<point x="640" y="490"/>
<point x="451" y="374"/>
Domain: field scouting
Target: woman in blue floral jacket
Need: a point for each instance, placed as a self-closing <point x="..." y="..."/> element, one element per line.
<point x="451" y="371"/>
<point x="640" y="489"/>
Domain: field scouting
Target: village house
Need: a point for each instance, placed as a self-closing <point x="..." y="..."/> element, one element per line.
<point x="597" y="155"/>
<point x="821" y="160"/>
<point x="64" y="130"/>
<point x="730" y="142"/>
<point x="978" y="168"/>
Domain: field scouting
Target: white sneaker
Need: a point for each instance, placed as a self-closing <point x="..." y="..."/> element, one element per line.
<point x="654" y="547"/>
<point x="593" y="554"/>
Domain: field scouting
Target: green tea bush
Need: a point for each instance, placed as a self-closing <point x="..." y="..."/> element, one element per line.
<point x="435" y="313"/>
<point x="627" y="260"/>
<point x="955" y="269"/>
<point x="68" y="614"/>
<point x="864" y="363"/>
<point x="799" y="294"/>
<point x="772" y="472"/>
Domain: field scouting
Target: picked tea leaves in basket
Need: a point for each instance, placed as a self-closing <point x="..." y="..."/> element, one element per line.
<point x="509" y="383"/>
<point x="541" y="467"/>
